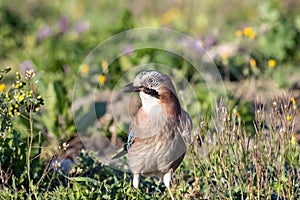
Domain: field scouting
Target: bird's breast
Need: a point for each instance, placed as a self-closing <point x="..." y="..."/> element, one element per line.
<point x="146" y="124"/>
<point x="157" y="152"/>
<point x="156" y="157"/>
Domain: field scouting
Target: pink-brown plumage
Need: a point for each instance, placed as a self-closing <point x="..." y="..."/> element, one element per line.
<point x="156" y="144"/>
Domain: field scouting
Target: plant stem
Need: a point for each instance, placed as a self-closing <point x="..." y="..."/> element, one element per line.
<point x="29" y="147"/>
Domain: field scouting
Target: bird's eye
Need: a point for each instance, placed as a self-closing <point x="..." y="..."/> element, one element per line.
<point x="152" y="81"/>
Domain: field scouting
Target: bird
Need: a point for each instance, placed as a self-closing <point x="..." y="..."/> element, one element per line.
<point x="155" y="143"/>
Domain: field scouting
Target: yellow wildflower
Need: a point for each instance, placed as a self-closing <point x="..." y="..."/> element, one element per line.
<point x="77" y="10"/>
<point x="252" y="62"/>
<point x="248" y="32"/>
<point x="293" y="101"/>
<point x="102" y="79"/>
<point x="272" y="63"/>
<point x="85" y="68"/>
<point x="224" y="56"/>
<point x="289" y="117"/>
<point x="21" y="98"/>
<point x="293" y="139"/>
<point x="19" y="85"/>
<point x="239" y="33"/>
<point x="2" y="87"/>
<point x="169" y="16"/>
<point x="104" y="65"/>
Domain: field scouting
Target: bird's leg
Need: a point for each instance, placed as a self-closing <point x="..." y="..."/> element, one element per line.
<point x="167" y="182"/>
<point x="136" y="180"/>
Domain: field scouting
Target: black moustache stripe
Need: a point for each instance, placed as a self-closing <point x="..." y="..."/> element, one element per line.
<point x="151" y="92"/>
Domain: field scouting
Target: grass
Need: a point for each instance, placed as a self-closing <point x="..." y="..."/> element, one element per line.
<point x="225" y="163"/>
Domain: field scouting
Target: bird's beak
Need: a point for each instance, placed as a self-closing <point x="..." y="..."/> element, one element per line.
<point x="131" y="88"/>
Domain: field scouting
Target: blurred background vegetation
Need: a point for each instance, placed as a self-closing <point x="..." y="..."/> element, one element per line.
<point x="255" y="45"/>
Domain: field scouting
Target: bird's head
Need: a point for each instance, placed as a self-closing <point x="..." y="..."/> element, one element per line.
<point x="156" y="89"/>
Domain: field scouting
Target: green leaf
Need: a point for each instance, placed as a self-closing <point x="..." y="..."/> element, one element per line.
<point x="82" y="179"/>
<point x="125" y="63"/>
<point x="61" y="95"/>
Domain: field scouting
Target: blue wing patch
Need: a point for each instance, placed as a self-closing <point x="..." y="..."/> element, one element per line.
<point x="130" y="139"/>
<point x="126" y="146"/>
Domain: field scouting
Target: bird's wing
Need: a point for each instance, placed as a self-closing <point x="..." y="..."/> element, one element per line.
<point x="126" y="146"/>
<point x="186" y="127"/>
<point x="186" y="123"/>
<point x="130" y="139"/>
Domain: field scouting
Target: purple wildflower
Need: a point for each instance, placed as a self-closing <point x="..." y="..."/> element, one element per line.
<point x="128" y="50"/>
<point x="44" y="32"/>
<point x="189" y="44"/>
<point x="63" y="24"/>
<point x="82" y="26"/>
<point x="209" y="42"/>
<point x="27" y="65"/>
